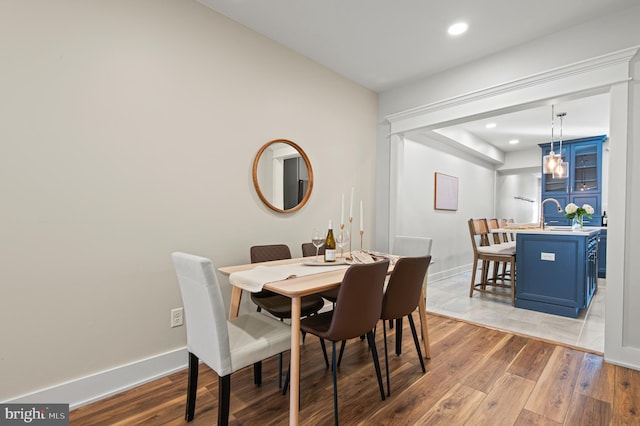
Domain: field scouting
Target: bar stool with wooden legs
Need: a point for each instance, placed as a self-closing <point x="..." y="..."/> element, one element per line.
<point x="486" y="253"/>
<point x="498" y="238"/>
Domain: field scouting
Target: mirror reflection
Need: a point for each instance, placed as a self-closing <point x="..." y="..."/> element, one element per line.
<point x="282" y="175"/>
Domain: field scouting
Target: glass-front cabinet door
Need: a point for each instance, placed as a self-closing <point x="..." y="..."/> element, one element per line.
<point x="550" y="184"/>
<point x="585" y="167"/>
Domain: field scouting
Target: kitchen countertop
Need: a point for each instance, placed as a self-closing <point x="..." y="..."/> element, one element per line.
<point x="551" y="230"/>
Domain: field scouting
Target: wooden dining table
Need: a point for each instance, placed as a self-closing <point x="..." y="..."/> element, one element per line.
<point x="295" y="288"/>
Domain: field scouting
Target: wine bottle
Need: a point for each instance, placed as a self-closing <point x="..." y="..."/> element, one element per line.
<point x="330" y="246"/>
<point x="604" y="219"/>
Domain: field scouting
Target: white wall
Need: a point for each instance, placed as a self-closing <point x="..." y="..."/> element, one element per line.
<point x="416" y="215"/>
<point x="128" y="131"/>
<point x="518" y="197"/>
<point x="521" y="161"/>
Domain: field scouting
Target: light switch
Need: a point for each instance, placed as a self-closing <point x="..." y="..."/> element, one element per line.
<point x="548" y="256"/>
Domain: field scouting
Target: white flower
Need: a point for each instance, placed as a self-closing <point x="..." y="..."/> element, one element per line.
<point x="571" y="208"/>
<point x="588" y="208"/>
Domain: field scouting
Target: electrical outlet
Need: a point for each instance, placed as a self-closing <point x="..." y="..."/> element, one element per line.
<point x="177" y="317"/>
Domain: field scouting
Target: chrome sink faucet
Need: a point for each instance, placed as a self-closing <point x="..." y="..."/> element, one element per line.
<point x="542" y="210"/>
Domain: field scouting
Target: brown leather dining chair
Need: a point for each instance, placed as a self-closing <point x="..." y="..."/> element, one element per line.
<point x="277" y="304"/>
<point x="401" y="298"/>
<point x="356" y="312"/>
<point x="308" y="249"/>
<point x="412" y="246"/>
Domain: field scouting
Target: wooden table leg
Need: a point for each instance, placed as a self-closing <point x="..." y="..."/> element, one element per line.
<point x="422" y="309"/>
<point x="236" y="297"/>
<point x="294" y="401"/>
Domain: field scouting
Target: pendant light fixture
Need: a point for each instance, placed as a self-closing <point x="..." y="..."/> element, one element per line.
<point x="550" y="162"/>
<point x="562" y="168"/>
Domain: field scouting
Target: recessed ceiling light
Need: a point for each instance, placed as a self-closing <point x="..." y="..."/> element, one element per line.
<point x="490" y="125"/>
<point x="514" y="141"/>
<point x="458" y="28"/>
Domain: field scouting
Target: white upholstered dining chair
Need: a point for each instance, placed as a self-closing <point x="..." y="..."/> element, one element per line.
<point x="224" y="345"/>
<point x="404" y="245"/>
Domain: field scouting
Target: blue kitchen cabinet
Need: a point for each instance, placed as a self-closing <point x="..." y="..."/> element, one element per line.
<point x="602" y="254"/>
<point x="556" y="271"/>
<point x="584" y="184"/>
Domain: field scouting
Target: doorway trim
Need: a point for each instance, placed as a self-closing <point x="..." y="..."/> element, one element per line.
<point x="610" y="73"/>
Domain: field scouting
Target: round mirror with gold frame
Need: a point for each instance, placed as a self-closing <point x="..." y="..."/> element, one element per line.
<point x="282" y="176"/>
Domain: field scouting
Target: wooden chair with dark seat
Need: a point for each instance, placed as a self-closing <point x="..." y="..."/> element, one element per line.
<point x="356" y="313"/>
<point x="402" y="297"/>
<point x="224" y="345"/>
<point x="486" y="253"/>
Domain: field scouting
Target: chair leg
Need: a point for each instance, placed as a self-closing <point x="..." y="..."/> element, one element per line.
<point x="485" y="274"/>
<point x="257" y="373"/>
<point x="324" y="352"/>
<point x="398" y="336"/>
<point x="473" y="276"/>
<point x="416" y="341"/>
<point x="280" y="371"/>
<point x="286" y="380"/>
<point x="376" y="363"/>
<point x="386" y="356"/>
<point x="286" y="385"/>
<point x="192" y="387"/>
<point x="335" y="383"/>
<point x="342" y="345"/>
<point x="224" y="397"/>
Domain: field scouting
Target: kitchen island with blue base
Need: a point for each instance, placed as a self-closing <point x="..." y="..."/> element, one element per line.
<point x="556" y="269"/>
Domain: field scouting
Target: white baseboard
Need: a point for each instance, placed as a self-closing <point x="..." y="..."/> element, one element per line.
<point x="448" y="273"/>
<point x="109" y="382"/>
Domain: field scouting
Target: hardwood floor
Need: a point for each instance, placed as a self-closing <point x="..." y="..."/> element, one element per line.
<point x="476" y="376"/>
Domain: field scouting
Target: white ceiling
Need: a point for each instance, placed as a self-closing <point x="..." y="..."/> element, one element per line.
<point x="382" y="44"/>
<point x="584" y="117"/>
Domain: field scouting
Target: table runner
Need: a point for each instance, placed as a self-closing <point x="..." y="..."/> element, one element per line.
<point x="253" y="279"/>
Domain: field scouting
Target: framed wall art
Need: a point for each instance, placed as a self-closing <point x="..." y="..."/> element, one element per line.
<point x="446" y="192"/>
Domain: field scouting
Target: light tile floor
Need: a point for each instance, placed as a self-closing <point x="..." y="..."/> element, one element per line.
<point x="450" y="297"/>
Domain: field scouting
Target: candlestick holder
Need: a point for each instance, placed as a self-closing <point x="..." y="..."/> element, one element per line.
<point x="361" y="238"/>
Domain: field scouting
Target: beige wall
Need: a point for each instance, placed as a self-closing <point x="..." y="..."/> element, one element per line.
<point x="127" y="131"/>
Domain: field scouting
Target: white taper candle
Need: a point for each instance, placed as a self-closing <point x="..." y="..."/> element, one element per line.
<point x="351" y="205"/>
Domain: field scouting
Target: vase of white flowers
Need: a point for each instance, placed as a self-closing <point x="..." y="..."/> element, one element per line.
<point x="577" y="214"/>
